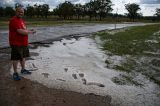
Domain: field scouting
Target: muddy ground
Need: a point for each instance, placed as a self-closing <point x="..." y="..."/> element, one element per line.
<point x="28" y="93"/>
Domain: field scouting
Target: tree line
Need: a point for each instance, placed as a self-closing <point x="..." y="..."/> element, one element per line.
<point x="97" y="9"/>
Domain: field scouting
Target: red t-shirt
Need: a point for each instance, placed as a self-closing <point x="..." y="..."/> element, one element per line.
<point x="15" y="38"/>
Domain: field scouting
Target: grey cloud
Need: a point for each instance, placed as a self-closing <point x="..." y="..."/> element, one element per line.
<point x="9" y="3"/>
<point x="150" y="1"/>
<point x="73" y="1"/>
<point x="5" y="3"/>
<point x="52" y="3"/>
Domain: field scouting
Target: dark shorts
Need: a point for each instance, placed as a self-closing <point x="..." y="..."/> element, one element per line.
<point x="19" y="52"/>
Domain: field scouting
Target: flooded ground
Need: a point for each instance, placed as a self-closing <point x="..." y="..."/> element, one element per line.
<point x="45" y="33"/>
<point x="66" y="58"/>
<point x="79" y="65"/>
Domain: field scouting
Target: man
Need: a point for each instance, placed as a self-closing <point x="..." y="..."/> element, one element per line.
<point x="18" y="39"/>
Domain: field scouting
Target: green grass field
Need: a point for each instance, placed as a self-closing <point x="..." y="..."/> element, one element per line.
<point x="140" y="48"/>
<point x="54" y="20"/>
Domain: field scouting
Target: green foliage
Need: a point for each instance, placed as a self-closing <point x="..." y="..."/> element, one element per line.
<point x="1" y="11"/>
<point x="158" y="13"/>
<point x="132" y="10"/>
<point x="40" y="10"/>
<point x="65" y="9"/>
<point x="80" y="10"/>
<point x="30" y="11"/>
<point x="9" y="11"/>
<point x="98" y="8"/>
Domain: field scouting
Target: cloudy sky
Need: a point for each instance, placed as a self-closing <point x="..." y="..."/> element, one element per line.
<point x="147" y="6"/>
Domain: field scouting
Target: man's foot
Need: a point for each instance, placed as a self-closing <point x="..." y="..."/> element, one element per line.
<point x="24" y="71"/>
<point x="16" y="77"/>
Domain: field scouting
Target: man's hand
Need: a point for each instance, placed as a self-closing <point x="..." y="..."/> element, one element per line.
<point x="26" y="32"/>
<point x="32" y="31"/>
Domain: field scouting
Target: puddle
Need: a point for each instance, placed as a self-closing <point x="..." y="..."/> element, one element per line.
<point x="45" y="33"/>
<point x="79" y="65"/>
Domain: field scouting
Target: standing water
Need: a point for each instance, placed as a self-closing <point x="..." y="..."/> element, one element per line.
<point x="45" y="33"/>
<point x="79" y="65"/>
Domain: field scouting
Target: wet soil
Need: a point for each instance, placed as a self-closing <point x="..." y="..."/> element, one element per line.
<point x="29" y="93"/>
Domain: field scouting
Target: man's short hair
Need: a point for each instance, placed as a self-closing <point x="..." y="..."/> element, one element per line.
<point x="18" y="6"/>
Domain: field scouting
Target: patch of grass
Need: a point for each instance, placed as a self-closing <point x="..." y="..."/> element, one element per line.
<point x="131" y="41"/>
<point x="155" y="62"/>
<point x="50" y="21"/>
<point x="140" y="45"/>
<point x="126" y="66"/>
<point x="125" y="80"/>
<point x="4" y="24"/>
<point x="122" y="68"/>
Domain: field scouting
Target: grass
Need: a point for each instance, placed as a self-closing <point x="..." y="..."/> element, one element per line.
<point x="141" y="45"/>
<point x="51" y="21"/>
<point x="55" y="20"/>
<point x="35" y="23"/>
<point x="131" y="41"/>
<point x="125" y="80"/>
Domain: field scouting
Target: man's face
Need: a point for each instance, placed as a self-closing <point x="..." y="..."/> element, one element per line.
<point x="20" y="12"/>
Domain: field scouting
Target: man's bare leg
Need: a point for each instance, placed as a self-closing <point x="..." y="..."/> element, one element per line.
<point x="24" y="71"/>
<point x="22" y="62"/>
<point x="15" y="74"/>
<point x="15" y="64"/>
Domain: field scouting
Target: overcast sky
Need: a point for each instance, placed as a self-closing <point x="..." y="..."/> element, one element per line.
<point x="147" y="6"/>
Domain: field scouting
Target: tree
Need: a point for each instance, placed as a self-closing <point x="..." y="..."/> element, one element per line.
<point x="45" y="10"/>
<point x="9" y="11"/>
<point x="78" y="9"/>
<point x="104" y="7"/>
<point x="158" y="13"/>
<point x="132" y="10"/>
<point x="90" y="9"/>
<point x="66" y="10"/>
<point x="1" y="11"/>
<point x="37" y="10"/>
<point x="98" y="7"/>
<point x="30" y="11"/>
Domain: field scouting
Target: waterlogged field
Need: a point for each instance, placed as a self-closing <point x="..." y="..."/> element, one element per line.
<point x="138" y="49"/>
<point x="127" y="72"/>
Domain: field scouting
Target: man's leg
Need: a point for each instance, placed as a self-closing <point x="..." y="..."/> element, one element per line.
<point x="16" y="77"/>
<point x="15" y="64"/>
<point x="22" y="62"/>
<point x="23" y="70"/>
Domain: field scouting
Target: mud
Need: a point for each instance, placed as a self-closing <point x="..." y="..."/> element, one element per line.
<point x="29" y="93"/>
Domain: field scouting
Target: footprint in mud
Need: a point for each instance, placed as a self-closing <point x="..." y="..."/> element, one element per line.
<point x="61" y="80"/>
<point x="84" y="81"/>
<point x="45" y="75"/>
<point x="34" y="65"/>
<point x="71" y="42"/>
<point x="64" y="44"/>
<point x="65" y="69"/>
<point x="92" y="83"/>
<point x="74" y="76"/>
<point x="81" y="75"/>
<point x="95" y="83"/>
